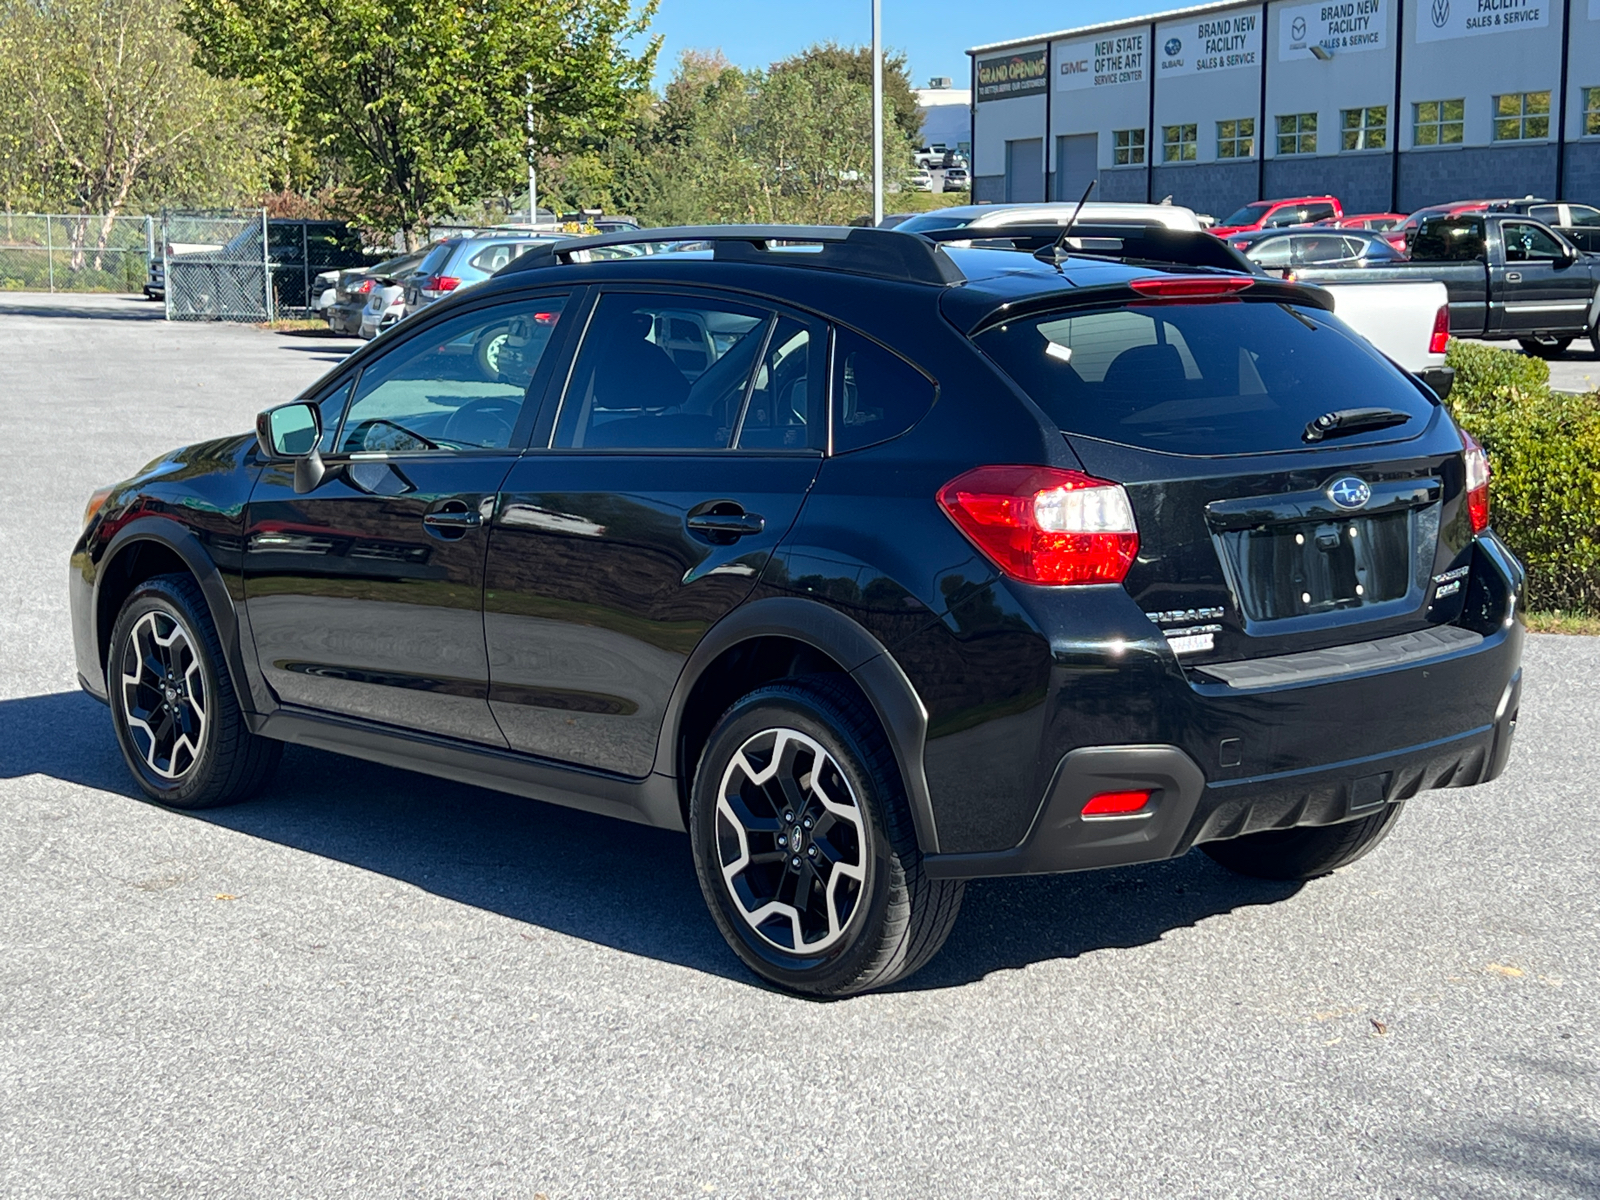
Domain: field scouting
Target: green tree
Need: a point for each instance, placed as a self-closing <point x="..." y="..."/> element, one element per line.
<point x="103" y="108"/>
<point x="856" y="64"/>
<point x="423" y="104"/>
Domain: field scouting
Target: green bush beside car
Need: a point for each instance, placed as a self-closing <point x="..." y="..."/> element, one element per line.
<point x="1544" y="446"/>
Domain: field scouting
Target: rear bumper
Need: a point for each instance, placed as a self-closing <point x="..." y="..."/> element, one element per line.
<point x="1185" y="808"/>
<point x="1307" y="739"/>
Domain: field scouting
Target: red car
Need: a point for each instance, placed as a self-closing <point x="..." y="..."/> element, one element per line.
<point x="1278" y="214"/>
<point x="1399" y="235"/>
<point x="1372" y="222"/>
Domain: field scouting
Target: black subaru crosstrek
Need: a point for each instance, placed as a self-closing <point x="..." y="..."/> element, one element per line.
<point x="876" y="564"/>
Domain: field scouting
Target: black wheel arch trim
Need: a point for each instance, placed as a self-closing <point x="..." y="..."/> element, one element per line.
<point x="231" y="630"/>
<point x="867" y="661"/>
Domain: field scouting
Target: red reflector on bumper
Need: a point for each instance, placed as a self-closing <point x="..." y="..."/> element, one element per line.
<point x="1115" y="804"/>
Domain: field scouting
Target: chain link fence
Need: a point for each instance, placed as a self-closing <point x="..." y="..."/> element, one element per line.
<point x="74" y="252"/>
<point x="214" y="267"/>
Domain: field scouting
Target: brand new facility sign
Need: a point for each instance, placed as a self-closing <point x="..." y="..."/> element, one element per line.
<point x="1103" y="62"/>
<point x="1211" y="44"/>
<point x="1339" y="27"/>
<point x="1008" y="75"/>
<point x="1441" y="19"/>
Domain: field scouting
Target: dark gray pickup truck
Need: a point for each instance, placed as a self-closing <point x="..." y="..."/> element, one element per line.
<point x="1510" y="278"/>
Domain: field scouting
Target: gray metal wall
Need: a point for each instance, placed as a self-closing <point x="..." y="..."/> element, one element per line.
<point x="1207" y="68"/>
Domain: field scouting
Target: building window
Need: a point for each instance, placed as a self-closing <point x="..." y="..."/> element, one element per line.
<point x="1236" y="139"/>
<point x="1297" y="133"/>
<point x="1364" y="128"/>
<point x="1521" y="116"/>
<point x="1127" y="147"/>
<point x="1438" y="122"/>
<point x="1591" y="112"/>
<point x="1180" y="143"/>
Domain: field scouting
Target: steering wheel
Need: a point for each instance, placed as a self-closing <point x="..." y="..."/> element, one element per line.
<point x="485" y="423"/>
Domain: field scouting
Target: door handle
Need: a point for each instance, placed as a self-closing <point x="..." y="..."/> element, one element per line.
<point x="1513" y="276"/>
<point x="452" y="519"/>
<point x="726" y="524"/>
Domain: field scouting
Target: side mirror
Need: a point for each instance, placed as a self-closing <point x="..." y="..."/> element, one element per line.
<point x="293" y="431"/>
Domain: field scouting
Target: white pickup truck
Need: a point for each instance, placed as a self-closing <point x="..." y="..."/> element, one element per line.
<point x="1409" y="322"/>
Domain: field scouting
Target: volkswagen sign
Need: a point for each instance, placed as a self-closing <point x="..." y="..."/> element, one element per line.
<point x="1350" y="492"/>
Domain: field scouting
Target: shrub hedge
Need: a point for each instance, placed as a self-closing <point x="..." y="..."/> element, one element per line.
<point x="1544" y="447"/>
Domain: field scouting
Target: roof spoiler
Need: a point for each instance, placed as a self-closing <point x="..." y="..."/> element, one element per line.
<point x="1121" y="241"/>
<point x="877" y="253"/>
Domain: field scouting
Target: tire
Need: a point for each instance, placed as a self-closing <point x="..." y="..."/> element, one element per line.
<point x="487" y="351"/>
<point x="1552" y="348"/>
<point x="877" y="917"/>
<point x="205" y="756"/>
<point x="1303" y="853"/>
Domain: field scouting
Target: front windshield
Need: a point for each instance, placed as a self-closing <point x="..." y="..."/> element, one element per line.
<point x="923" y="222"/>
<point x="1248" y="215"/>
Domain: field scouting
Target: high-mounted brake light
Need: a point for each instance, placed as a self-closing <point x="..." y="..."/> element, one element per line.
<point x="1190" y="287"/>
<point x="1045" y="525"/>
<point x="1440" y="341"/>
<point x="1477" y="483"/>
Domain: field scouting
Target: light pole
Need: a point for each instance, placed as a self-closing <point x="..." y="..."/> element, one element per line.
<point x="877" y="112"/>
<point x="533" y="183"/>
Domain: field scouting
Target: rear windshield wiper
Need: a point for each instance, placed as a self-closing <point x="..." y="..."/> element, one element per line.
<point x="1352" y="420"/>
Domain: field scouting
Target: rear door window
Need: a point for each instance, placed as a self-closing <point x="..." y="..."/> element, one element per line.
<point x="785" y="405"/>
<point x="1212" y="379"/>
<point x="661" y="372"/>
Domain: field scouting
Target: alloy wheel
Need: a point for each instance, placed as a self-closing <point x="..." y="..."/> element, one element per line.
<point x="792" y="842"/>
<point x="163" y="695"/>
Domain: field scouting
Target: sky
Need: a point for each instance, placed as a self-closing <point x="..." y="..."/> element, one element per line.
<point x="934" y="34"/>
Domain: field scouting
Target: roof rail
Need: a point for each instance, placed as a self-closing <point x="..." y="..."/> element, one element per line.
<point x="878" y="253"/>
<point x="1122" y="241"/>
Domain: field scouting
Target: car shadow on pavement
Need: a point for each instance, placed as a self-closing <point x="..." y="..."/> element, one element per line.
<point x="617" y="884"/>
<point x="14" y="308"/>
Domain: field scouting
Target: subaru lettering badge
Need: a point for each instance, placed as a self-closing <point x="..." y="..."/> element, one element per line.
<point x="1350" y="492"/>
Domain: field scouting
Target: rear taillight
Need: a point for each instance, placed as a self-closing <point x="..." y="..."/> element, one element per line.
<point x="1440" y="341"/>
<point x="1045" y="525"/>
<point x="1190" y="287"/>
<point x="366" y="286"/>
<point x="1477" y="483"/>
<point x="441" y="283"/>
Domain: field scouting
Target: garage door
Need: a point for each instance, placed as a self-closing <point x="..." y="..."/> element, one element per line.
<point x="1025" y="170"/>
<point x="1077" y="162"/>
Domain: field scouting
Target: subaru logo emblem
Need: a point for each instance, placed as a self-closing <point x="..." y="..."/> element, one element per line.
<point x="1350" y="492"/>
<point x="1173" y="46"/>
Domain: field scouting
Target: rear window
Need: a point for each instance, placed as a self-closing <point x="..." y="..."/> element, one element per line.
<point x="1226" y="378"/>
<point x="1449" y="239"/>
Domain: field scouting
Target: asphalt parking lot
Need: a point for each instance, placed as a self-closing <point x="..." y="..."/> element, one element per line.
<point x="369" y="983"/>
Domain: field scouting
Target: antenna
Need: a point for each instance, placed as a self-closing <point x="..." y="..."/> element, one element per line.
<point x="1061" y="242"/>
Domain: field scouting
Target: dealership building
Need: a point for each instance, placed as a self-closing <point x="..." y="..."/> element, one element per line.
<point x="1389" y="105"/>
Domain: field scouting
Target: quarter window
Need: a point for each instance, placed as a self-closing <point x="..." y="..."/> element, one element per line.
<point x="459" y="385"/>
<point x="1179" y="143"/>
<point x="1438" y="122"/>
<point x="659" y="372"/>
<point x="1521" y="116"/>
<point x="877" y="395"/>
<point x="1364" y="128"/>
<point x="1236" y="139"/>
<point x="1127" y="147"/>
<point x="1297" y="133"/>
